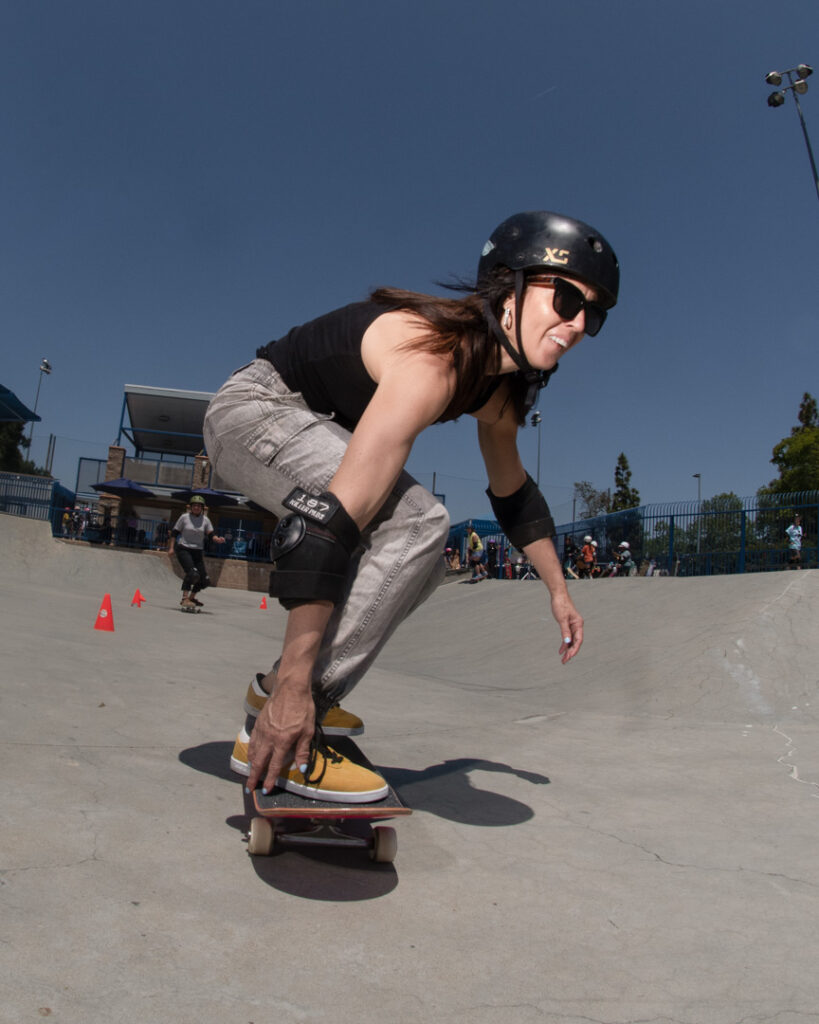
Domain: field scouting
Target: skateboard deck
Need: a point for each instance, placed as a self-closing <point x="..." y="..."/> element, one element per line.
<point x="285" y="819"/>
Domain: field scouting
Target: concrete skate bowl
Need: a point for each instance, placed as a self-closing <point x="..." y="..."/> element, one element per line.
<point x="30" y="554"/>
<point x="709" y="648"/>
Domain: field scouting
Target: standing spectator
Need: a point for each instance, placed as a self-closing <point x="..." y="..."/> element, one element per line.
<point x="587" y="557"/>
<point x="492" y="558"/>
<point x="570" y="555"/>
<point x="794" y="532"/>
<point x="625" y="563"/>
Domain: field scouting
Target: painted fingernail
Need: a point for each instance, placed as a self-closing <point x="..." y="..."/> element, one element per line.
<point x="567" y="639"/>
<point x="247" y="790"/>
<point x="303" y="769"/>
<point x="265" y="792"/>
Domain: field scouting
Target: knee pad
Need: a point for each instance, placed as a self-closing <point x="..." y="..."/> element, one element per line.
<point x="312" y="549"/>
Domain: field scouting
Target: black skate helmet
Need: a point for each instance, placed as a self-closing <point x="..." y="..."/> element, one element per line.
<point x="540" y="240"/>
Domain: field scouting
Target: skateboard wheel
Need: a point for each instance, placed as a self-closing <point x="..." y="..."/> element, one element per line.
<point x="385" y="845"/>
<point x="261" y="837"/>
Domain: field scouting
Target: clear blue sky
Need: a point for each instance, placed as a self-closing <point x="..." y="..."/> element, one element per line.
<point x="186" y="179"/>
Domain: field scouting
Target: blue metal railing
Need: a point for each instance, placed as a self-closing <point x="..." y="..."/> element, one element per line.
<point x="679" y="539"/>
<point x="704" y="539"/>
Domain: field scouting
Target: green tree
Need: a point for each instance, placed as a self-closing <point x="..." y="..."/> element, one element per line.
<point x="797" y="457"/>
<point x="808" y="415"/>
<point x="12" y="460"/>
<point x="592" y="501"/>
<point x="720" y="525"/>
<point x="625" y="496"/>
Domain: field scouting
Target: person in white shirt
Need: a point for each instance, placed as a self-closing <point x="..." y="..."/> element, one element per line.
<point x="188" y="537"/>
<point x="794" y="532"/>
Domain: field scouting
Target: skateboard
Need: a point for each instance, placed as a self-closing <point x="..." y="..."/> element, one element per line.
<point x="283" y="819"/>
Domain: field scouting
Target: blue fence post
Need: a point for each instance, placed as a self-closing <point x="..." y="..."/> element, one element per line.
<point x="741" y="566"/>
<point x="670" y="545"/>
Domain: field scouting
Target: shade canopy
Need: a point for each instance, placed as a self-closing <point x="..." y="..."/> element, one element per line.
<point x="213" y="498"/>
<point x="122" y="487"/>
<point x="12" y="409"/>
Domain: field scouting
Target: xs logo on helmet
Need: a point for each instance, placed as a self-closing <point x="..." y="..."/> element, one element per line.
<point x="556" y="256"/>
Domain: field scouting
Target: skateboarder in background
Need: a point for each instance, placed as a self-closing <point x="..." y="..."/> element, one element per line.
<point x="188" y="544"/>
<point x="477" y="556"/>
<point x="318" y="429"/>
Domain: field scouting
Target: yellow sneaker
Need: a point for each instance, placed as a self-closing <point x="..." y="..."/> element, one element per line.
<point x="337" y="721"/>
<point x="331" y="776"/>
<point x="238" y="759"/>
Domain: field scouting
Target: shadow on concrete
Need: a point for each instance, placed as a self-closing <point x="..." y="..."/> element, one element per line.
<point x="330" y="875"/>
<point x="447" y="790"/>
<point x="211" y="759"/>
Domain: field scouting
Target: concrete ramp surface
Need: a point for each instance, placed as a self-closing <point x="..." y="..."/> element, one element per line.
<point x="630" y="837"/>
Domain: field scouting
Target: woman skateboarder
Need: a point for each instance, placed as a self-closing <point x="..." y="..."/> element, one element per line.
<point x="188" y="537"/>
<point x="318" y="429"/>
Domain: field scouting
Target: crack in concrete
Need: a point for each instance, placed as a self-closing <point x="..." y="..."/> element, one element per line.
<point x="793" y="772"/>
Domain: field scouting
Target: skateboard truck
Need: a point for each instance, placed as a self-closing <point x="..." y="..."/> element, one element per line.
<point x="264" y="838"/>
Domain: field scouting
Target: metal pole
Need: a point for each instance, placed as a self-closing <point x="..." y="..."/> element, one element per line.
<point x="536" y="421"/>
<point x="36" y="400"/>
<point x="538" y="454"/>
<point x="807" y="142"/>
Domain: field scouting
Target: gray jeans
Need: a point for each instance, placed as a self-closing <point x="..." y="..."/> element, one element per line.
<point x="263" y="441"/>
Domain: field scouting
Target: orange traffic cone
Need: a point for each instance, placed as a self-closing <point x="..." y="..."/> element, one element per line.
<point x="263" y="605"/>
<point x="137" y="599"/>
<point x="105" y="616"/>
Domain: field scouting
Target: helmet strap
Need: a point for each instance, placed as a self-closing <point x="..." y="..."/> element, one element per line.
<point x="520" y="288"/>
<point x="536" y="379"/>
<point x="518" y="358"/>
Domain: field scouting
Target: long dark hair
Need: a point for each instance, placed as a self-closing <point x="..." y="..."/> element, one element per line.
<point x="459" y="329"/>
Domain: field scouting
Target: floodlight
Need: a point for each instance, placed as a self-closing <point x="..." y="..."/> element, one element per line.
<point x="803" y="70"/>
<point x="776" y="99"/>
<point x="773" y="78"/>
<point x="800" y="86"/>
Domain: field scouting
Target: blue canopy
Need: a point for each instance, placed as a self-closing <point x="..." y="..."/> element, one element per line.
<point x="122" y="487"/>
<point x="12" y="409"/>
<point x="214" y="498"/>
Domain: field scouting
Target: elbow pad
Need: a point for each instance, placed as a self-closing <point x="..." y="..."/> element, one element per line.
<point x="523" y="516"/>
<point x="312" y="550"/>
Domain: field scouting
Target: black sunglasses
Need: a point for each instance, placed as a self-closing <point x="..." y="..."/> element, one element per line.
<point x="568" y="302"/>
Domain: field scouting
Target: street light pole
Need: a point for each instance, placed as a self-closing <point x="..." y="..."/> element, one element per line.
<point x="45" y="367"/>
<point x="797" y="87"/>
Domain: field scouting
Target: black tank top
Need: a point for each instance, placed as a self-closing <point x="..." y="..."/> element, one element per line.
<point x="322" y="360"/>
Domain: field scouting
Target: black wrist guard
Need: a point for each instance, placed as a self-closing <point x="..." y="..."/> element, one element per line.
<point x="523" y="516"/>
<point x="312" y="549"/>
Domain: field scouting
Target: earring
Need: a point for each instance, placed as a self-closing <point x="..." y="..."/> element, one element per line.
<point x="507" y="318"/>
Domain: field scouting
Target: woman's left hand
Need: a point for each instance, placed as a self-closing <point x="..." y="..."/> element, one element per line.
<point x="570" y="622"/>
